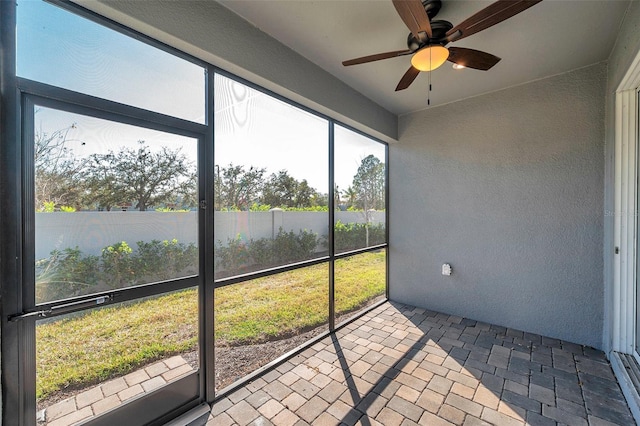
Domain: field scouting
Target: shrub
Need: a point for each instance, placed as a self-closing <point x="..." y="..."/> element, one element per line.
<point x="307" y="209"/>
<point x="171" y="210"/>
<point x="181" y="256"/>
<point x="64" y="274"/>
<point x="232" y="257"/>
<point x="261" y="251"/>
<point x="164" y="260"/>
<point x="118" y="265"/>
<point x="352" y="236"/>
<point x="49" y="207"/>
<point x="348" y="236"/>
<point x="70" y="273"/>
<point x="287" y="247"/>
<point x="377" y="234"/>
<point x="255" y="207"/>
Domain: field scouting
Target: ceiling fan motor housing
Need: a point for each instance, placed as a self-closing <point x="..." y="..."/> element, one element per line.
<point x="438" y="36"/>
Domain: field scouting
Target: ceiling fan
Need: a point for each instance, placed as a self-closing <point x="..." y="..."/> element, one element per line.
<point x="428" y="37"/>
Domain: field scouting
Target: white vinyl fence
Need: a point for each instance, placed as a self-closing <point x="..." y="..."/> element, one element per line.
<point x="93" y="231"/>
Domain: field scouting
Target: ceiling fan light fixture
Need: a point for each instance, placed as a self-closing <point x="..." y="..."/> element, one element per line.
<point x="458" y="67"/>
<point x="429" y="58"/>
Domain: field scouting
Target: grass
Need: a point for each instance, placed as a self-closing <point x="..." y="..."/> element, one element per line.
<point x="271" y="308"/>
<point x="80" y="350"/>
<point x="286" y="304"/>
<point x="91" y="348"/>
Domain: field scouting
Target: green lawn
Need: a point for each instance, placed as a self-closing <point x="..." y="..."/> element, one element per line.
<point x="80" y="350"/>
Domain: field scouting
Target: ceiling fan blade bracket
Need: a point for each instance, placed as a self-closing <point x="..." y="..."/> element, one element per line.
<point x="453" y="36"/>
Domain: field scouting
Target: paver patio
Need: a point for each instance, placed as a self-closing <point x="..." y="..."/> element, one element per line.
<point x="106" y="396"/>
<point x="401" y="365"/>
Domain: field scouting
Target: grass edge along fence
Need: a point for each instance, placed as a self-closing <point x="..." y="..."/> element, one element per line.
<point x="80" y="350"/>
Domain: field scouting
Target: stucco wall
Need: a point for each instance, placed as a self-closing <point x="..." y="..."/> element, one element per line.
<point x="625" y="50"/>
<point x="211" y="32"/>
<point x="507" y="187"/>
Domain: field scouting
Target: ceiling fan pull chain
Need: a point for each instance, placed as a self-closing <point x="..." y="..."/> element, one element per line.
<point x="429" y="92"/>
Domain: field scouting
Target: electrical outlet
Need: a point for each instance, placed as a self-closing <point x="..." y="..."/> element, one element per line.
<point x="446" y="269"/>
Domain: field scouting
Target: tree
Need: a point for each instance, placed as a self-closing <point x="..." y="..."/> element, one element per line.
<point x="336" y="196"/>
<point x="319" y="200"/>
<point x="142" y="176"/>
<point x="304" y="195"/>
<point x="283" y="190"/>
<point x="57" y="171"/>
<point x="368" y="184"/>
<point x="102" y="188"/>
<point x="280" y="190"/>
<point x="237" y="188"/>
<point x="243" y="189"/>
<point x="188" y="195"/>
<point x="350" y="195"/>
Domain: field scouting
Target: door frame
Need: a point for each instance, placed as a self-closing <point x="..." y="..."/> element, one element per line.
<point x="174" y="398"/>
<point x="622" y="322"/>
<point x="625" y="212"/>
<point x="15" y="227"/>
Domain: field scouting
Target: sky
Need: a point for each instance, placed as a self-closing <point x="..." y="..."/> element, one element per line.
<point x="62" y="49"/>
<point x="255" y="129"/>
<point x="251" y="128"/>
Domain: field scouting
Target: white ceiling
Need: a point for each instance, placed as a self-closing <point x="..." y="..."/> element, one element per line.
<point x="551" y="37"/>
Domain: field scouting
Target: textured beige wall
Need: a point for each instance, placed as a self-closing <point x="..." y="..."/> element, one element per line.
<point x="508" y="188"/>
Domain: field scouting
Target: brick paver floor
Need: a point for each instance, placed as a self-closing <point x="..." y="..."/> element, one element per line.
<point x="106" y="396"/>
<point x="401" y="365"/>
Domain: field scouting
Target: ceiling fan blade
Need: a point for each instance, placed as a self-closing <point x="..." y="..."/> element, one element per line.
<point x="471" y="58"/>
<point x="491" y="15"/>
<point x="407" y="78"/>
<point x="414" y="16"/>
<point x="376" y="57"/>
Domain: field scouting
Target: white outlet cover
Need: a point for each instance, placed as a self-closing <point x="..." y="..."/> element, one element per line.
<point x="446" y="269"/>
